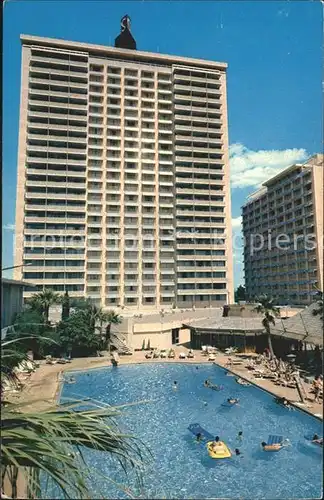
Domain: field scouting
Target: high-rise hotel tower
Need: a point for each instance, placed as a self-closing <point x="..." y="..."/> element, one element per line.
<point x="123" y="176"/>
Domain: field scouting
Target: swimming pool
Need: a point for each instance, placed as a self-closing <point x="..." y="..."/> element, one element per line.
<point x="180" y="467"/>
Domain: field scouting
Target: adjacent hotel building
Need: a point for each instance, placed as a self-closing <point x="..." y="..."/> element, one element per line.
<point x="287" y="213"/>
<point x="123" y="176"/>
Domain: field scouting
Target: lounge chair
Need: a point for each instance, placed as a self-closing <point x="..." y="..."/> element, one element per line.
<point x="149" y="355"/>
<point x="156" y="353"/>
<point x="190" y="354"/>
<point x="171" y="354"/>
<point x="163" y="353"/>
<point x="211" y="357"/>
<point x="182" y="355"/>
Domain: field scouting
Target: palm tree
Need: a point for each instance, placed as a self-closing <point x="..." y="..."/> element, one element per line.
<point x="65" y="299"/>
<point x="270" y="312"/>
<point x="319" y="303"/>
<point x="49" y="443"/>
<point x="42" y="302"/>
<point x="111" y="318"/>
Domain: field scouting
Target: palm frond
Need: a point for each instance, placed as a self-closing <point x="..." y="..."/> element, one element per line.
<point x="46" y="441"/>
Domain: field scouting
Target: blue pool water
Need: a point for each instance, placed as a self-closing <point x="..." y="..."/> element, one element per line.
<point x="180" y="468"/>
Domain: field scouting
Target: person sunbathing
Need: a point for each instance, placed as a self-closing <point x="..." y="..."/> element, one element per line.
<point x="271" y="447"/>
<point x="215" y="444"/>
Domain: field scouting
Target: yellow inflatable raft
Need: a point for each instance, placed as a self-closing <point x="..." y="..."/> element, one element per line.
<point x="218" y="451"/>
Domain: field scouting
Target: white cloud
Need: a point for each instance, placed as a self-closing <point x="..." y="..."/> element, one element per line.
<point x="9" y="227"/>
<point x="236" y="223"/>
<point x="251" y="168"/>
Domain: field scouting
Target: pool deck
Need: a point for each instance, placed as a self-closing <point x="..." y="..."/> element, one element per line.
<point x="42" y="388"/>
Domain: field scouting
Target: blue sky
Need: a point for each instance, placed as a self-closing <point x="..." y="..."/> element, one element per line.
<point x="274" y="53"/>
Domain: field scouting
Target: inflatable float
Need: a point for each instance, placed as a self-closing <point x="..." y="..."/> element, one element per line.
<point x="197" y="429"/>
<point x="219" y="451"/>
<point x="275" y="443"/>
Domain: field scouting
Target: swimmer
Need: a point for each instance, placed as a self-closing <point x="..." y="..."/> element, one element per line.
<point x="237" y="452"/>
<point x="199" y="437"/>
<point x="239" y="437"/>
<point x="233" y="401"/>
<point x="216" y="443"/>
<point x="207" y="383"/>
<point x="317" y="440"/>
<point x="175" y="385"/>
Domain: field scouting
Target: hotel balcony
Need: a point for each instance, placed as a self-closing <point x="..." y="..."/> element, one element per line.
<point x="55" y="71"/>
<point x="56" y="60"/>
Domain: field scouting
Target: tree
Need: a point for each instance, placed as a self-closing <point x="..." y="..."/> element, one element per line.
<point x="111" y="318"/>
<point x="49" y="443"/>
<point x="270" y="312"/>
<point x="319" y="305"/>
<point x="42" y="302"/>
<point x="65" y="306"/>
<point x="240" y="293"/>
<point x="77" y="336"/>
<point x="34" y="334"/>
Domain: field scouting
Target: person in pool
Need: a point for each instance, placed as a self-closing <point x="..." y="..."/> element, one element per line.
<point x="284" y="402"/>
<point x="216" y="443"/>
<point x="317" y="440"/>
<point x="238" y="452"/>
<point x="207" y="383"/>
<point x="271" y="447"/>
<point x="175" y="385"/>
<point x="233" y="401"/>
<point x="199" y="437"/>
<point x="239" y="437"/>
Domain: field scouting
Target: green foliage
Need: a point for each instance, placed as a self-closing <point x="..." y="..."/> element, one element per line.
<point x="266" y="306"/>
<point x="77" y="336"/>
<point x="42" y="302"/>
<point x="65" y="306"/>
<point x="51" y="442"/>
<point x="111" y="318"/>
<point x="240" y="293"/>
<point x="319" y="305"/>
<point x="34" y="334"/>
